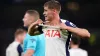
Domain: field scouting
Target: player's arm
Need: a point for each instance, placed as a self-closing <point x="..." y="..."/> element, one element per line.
<point x="76" y="31"/>
<point x="29" y="52"/>
<point x="31" y="46"/>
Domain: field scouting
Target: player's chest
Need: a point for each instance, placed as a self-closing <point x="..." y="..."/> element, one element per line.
<point x="52" y="33"/>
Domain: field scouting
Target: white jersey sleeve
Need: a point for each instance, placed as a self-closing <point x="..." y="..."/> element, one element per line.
<point x="68" y="23"/>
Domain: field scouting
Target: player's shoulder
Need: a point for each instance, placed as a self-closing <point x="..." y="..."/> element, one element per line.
<point x="32" y="38"/>
<point x="82" y="50"/>
<point x="11" y="46"/>
<point x="68" y="23"/>
<point x="29" y="36"/>
<point x="70" y="50"/>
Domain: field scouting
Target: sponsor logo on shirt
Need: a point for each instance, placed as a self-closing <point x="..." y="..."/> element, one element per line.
<point x="52" y="33"/>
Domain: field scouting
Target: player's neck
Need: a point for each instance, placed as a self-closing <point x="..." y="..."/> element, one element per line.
<point x="55" y="21"/>
<point x="75" y="46"/>
<point x="17" y="40"/>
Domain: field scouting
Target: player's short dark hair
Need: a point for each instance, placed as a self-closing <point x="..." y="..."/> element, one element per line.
<point x="33" y="13"/>
<point x="20" y="31"/>
<point x="53" y="5"/>
<point x="75" y="40"/>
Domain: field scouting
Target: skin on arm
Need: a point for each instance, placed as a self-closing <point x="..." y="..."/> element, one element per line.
<point x="29" y="52"/>
<point x="76" y="31"/>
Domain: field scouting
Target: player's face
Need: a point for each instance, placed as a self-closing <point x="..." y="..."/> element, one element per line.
<point x="48" y="14"/>
<point x="22" y="36"/>
<point x="28" y="19"/>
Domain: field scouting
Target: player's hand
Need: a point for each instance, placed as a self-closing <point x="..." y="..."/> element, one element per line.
<point x="39" y="21"/>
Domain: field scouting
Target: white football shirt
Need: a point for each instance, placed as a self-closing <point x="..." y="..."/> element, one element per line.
<point x="78" y="52"/>
<point x="12" y="49"/>
<point x="56" y="40"/>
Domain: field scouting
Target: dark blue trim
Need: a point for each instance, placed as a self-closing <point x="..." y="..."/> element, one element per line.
<point x="19" y="49"/>
<point x="68" y="23"/>
<point x="67" y="44"/>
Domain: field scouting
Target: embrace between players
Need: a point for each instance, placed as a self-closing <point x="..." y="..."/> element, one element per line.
<point x="52" y="37"/>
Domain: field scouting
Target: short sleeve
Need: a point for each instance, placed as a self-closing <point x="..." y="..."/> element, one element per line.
<point x="68" y="23"/>
<point x="32" y="42"/>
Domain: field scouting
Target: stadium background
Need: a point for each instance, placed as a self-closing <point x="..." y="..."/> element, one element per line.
<point x="83" y="13"/>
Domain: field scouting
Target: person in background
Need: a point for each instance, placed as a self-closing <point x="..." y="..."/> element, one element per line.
<point x="33" y="45"/>
<point x="75" y="50"/>
<point x="15" y="48"/>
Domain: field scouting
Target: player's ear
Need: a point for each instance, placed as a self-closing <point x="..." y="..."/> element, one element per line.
<point x="54" y="11"/>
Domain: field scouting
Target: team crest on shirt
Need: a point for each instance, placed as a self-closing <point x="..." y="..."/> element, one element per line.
<point x="32" y="40"/>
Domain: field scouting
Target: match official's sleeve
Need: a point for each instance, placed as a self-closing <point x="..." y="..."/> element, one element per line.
<point x="32" y="41"/>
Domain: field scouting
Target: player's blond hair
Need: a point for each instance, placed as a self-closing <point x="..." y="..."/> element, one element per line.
<point x="20" y="31"/>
